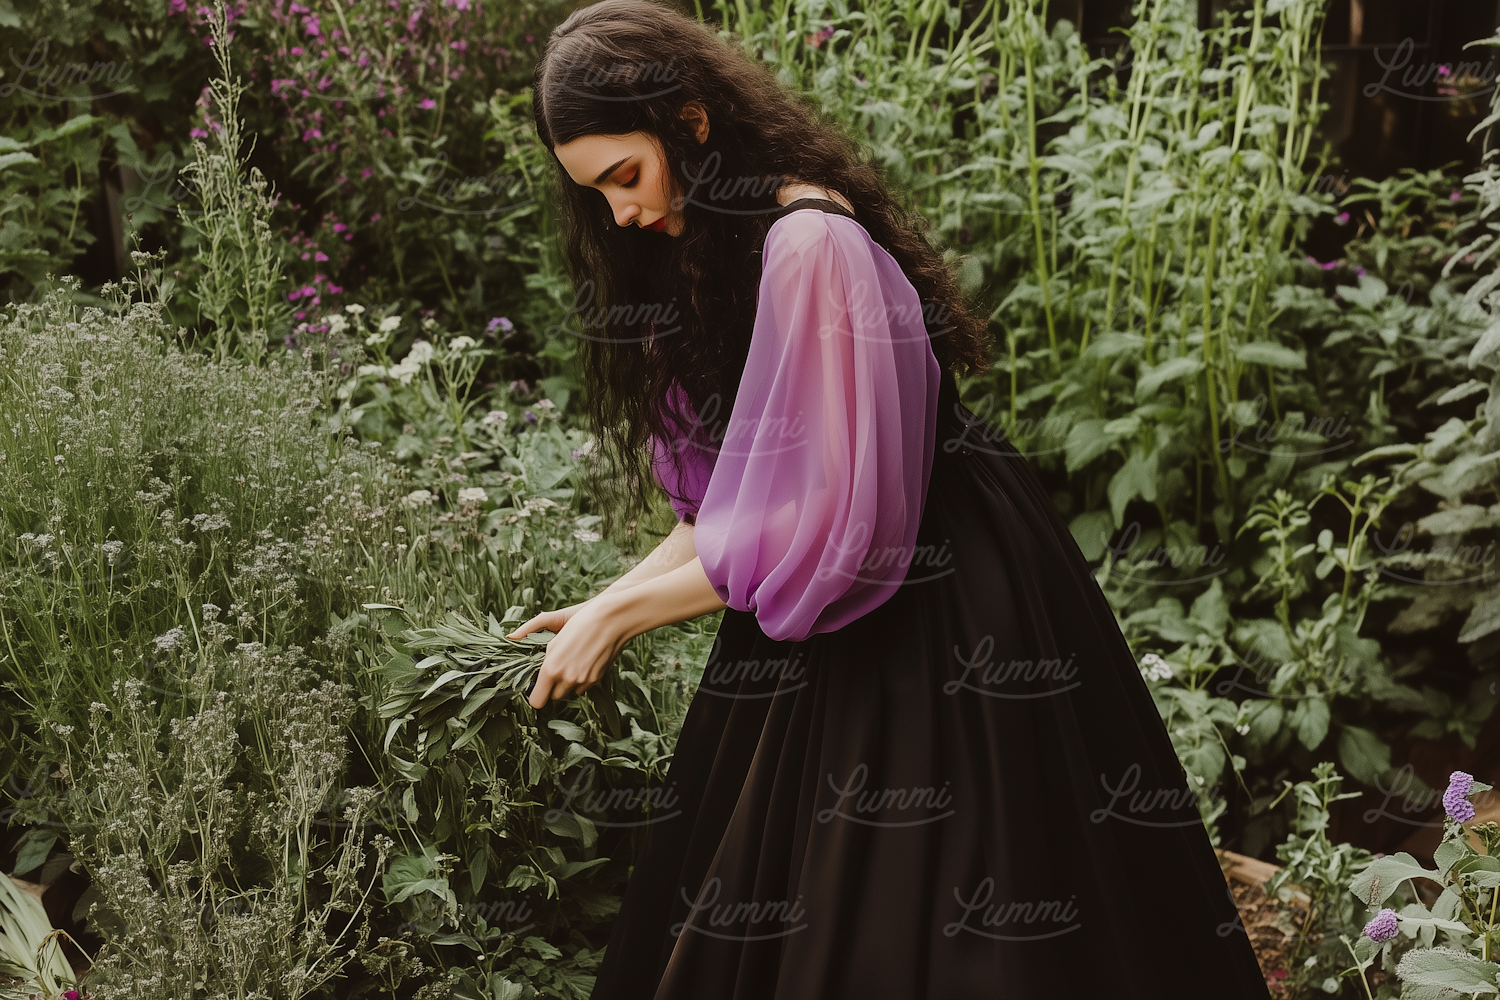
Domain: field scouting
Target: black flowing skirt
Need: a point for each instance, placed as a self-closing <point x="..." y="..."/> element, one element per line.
<point x="965" y="793"/>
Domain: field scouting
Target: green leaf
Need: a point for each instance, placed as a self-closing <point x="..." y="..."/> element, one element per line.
<point x="1449" y="969"/>
<point x="1264" y="352"/>
<point x="12" y="159"/>
<point x="1391" y="871"/>
<point x="1364" y="755"/>
<point x="1169" y="371"/>
<point x="1313" y="724"/>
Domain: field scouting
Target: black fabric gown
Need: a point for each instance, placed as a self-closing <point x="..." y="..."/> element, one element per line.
<point x="965" y="793"/>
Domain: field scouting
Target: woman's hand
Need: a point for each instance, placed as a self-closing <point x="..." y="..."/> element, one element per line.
<point x="551" y="621"/>
<point x="577" y="657"/>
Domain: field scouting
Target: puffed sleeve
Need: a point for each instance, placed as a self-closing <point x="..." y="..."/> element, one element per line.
<point x="684" y="463"/>
<point x="810" y="516"/>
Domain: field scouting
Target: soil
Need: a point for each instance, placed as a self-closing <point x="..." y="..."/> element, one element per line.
<point x="1273" y="924"/>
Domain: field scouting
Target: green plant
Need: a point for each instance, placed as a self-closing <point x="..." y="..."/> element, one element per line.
<point x="239" y="291"/>
<point x="1464" y="912"/>
<point x="31" y="956"/>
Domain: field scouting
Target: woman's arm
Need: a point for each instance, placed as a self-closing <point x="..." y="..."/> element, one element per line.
<point x="672" y="551"/>
<point x="577" y="657"/>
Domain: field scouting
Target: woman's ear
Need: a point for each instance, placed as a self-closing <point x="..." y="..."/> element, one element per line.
<point x="695" y="112"/>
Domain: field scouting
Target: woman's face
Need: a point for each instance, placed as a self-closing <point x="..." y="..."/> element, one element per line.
<point x="632" y="173"/>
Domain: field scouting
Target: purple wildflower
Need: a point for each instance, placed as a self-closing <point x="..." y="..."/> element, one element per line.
<point x="1382" y="927"/>
<point x="427" y="104"/>
<point x="1456" y="196"/>
<point x="1342" y="218"/>
<point x="1456" y="798"/>
<point x="500" y="323"/>
<point x="531" y="418"/>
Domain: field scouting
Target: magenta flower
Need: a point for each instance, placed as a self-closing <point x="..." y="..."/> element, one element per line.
<point x="375" y="217"/>
<point x="1342" y="218"/>
<point x="339" y="227"/>
<point x="1382" y="927"/>
<point x="427" y="104"/>
<point x="500" y="323"/>
<point x="1444" y="71"/>
<point x="1456" y="196"/>
<point x="297" y="51"/>
<point x="1456" y="798"/>
<point x="319" y="256"/>
<point x="314" y="28"/>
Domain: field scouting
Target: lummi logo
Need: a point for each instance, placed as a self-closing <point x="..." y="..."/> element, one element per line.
<point x="706" y="913"/>
<point x="1032" y="921"/>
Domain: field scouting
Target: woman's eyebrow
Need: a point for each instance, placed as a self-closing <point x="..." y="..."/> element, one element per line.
<point x="609" y="170"/>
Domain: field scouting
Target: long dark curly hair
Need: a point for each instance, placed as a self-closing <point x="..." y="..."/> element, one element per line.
<point x="624" y="66"/>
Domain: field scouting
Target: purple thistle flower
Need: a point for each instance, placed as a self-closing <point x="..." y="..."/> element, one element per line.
<point x="1456" y="798"/>
<point x="1382" y="927"/>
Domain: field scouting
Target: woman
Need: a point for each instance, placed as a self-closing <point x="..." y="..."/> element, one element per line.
<point x="922" y="760"/>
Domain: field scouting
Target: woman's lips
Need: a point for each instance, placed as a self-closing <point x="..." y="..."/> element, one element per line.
<point x="658" y="225"/>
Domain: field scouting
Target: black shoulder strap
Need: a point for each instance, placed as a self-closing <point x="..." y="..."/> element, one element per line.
<point x="820" y="203"/>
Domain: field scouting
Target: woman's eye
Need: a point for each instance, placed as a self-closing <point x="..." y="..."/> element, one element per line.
<point x="632" y="180"/>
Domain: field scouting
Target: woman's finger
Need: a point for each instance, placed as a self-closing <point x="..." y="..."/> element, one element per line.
<point x="541" y="621"/>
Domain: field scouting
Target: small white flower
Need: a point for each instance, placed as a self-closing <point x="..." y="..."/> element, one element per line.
<point x="170" y="640"/>
<point x="389" y="323"/>
<point x="420" y="353"/>
<point x="416" y="497"/>
<point x="404" y="371"/>
<point x="544" y="404"/>
<point x="495" y="417"/>
<point x="1155" y="668"/>
<point x="375" y="339"/>
<point x="472" y="494"/>
<point x="354" y="310"/>
<point x="585" y="535"/>
<point x="1242" y="729"/>
<point x="1199" y="779"/>
<point x="210" y="522"/>
<point x="337" y="324"/>
<point x="462" y="343"/>
<point x="376" y="370"/>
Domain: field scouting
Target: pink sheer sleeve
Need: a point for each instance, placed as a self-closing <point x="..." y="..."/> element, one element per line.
<point x="684" y="486"/>
<point x="810" y="515"/>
